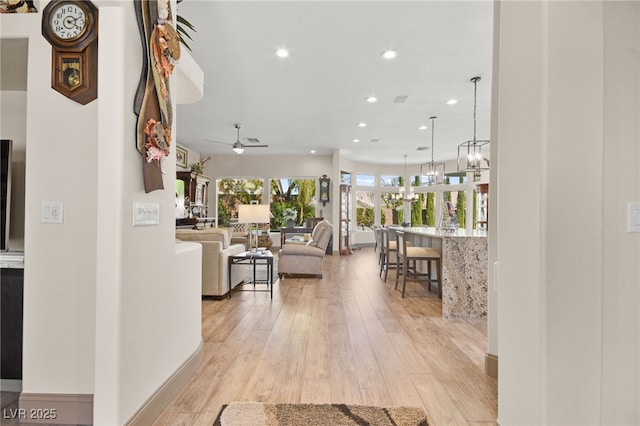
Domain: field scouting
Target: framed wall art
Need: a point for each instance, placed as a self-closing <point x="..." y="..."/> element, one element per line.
<point x="181" y="156"/>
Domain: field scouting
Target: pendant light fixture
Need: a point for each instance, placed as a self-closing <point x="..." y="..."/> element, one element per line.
<point x="470" y="157"/>
<point x="432" y="171"/>
<point x="401" y="195"/>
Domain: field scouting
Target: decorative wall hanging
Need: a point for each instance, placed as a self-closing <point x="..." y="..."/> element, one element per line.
<point x="17" y="6"/>
<point x="152" y="103"/>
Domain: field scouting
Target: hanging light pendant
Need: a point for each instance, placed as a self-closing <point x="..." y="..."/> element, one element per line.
<point x="433" y="172"/>
<point x="470" y="157"/>
<point x="402" y="195"/>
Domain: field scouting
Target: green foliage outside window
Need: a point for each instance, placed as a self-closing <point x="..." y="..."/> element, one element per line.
<point x="364" y="217"/>
<point x="431" y="209"/>
<point x="232" y="193"/>
<point x="461" y="207"/>
<point x="416" y="207"/>
<point x="297" y="194"/>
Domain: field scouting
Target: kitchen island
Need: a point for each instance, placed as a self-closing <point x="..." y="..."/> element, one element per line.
<point x="464" y="268"/>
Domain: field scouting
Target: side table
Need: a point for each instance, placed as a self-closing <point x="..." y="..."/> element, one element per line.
<point x="253" y="259"/>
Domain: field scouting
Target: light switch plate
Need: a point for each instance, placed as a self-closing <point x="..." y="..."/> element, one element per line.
<point x="51" y="212"/>
<point x="146" y="214"/>
<point x="633" y="217"/>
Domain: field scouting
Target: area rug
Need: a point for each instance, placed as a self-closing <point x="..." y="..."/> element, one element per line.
<point x="261" y="270"/>
<point x="264" y="414"/>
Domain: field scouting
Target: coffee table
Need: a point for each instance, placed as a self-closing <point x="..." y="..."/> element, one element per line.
<point x="260" y="257"/>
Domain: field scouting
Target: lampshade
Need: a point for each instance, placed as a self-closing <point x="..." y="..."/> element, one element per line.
<point x="254" y="213"/>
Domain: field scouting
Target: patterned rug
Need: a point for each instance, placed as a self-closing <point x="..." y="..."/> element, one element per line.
<point x="263" y="414"/>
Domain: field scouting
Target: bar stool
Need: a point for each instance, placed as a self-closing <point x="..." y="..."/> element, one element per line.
<point x="387" y="249"/>
<point x="407" y="257"/>
<point x="377" y="233"/>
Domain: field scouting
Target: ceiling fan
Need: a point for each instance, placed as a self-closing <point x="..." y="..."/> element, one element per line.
<point x="238" y="147"/>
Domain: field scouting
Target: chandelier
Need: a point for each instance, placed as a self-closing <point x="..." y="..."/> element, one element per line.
<point x="402" y="194"/>
<point x="470" y="152"/>
<point x="432" y="171"/>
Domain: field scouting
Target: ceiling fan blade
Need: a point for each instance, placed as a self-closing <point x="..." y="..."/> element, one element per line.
<point x="255" y="146"/>
<point x="222" y="143"/>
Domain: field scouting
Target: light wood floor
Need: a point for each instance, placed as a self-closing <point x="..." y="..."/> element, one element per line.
<point x="346" y="338"/>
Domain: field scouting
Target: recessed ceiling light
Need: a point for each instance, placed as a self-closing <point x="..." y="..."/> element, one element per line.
<point x="362" y="124"/>
<point x="282" y="53"/>
<point x="356" y="140"/>
<point x="372" y="99"/>
<point x="452" y="101"/>
<point x="375" y="140"/>
<point x="389" y="54"/>
<point x="423" y="127"/>
<point x="313" y="151"/>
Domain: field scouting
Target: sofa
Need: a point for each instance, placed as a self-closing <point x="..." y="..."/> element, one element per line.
<point x="216" y="249"/>
<point x="306" y="259"/>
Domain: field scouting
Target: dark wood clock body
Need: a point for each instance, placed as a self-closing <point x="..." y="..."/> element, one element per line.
<point x="74" y="63"/>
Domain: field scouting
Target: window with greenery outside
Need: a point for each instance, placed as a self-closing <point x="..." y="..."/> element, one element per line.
<point x="417" y="206"/>
<point x="232" y="193"/>
<point x="297" y="194"/>
<point x="364" y="208"/>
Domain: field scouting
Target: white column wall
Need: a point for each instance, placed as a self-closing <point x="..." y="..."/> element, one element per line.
<point x="568" y="326"/>
<point x="104" y="314"/>
<point x="621" y="269"/>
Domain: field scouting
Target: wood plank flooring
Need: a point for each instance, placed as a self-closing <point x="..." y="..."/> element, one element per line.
<point x="346" y="338"/>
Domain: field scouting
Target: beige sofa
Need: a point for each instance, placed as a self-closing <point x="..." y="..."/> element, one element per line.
<point x="216" y="249"/>
<point x="306" y="259"/>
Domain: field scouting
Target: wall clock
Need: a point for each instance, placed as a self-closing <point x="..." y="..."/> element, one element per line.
<point x="324" y="189"/>
<point x="71" y="27"/>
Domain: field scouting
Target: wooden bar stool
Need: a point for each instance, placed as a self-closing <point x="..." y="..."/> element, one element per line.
<point x="407" y="257"/>
<point x="377" y="233"/>
<point x="388" y="252"/>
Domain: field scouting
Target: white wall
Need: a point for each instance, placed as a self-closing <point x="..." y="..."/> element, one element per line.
<point x="568" y="303"/>
<point x="103" y="312"/>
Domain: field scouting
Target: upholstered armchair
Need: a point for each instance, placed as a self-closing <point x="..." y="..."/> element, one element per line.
<point x="306" y="259"/>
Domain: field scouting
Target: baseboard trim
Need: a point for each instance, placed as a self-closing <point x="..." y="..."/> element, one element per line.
<point x="491" y="365"/>
<point x="155" y="405"/>
<point x="56" y="408"/>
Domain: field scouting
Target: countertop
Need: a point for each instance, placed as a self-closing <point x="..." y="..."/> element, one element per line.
<point x="433" y="232"/>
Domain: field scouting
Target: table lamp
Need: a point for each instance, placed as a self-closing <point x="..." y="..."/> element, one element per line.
<point x="253" y="213"/>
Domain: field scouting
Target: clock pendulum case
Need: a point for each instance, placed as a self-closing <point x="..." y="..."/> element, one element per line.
<point x="71" y="27"/>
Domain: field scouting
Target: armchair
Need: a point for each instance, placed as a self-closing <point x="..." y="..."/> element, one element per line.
<point x="306" y="259"/>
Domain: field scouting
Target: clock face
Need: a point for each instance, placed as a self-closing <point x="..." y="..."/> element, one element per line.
<point x="68" y="21"/>
<point x="325" y="184"/>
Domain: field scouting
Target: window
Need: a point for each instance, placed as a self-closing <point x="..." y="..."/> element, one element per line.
<point x="345" y="177"/>
<point x="365" y="203"/>
<point x="365" y="180"/>
<point x="391" y="210"/>
<point x="296" y="194"/>
<point x="394" y="181"/>
<point x="456" y="178"/>
<point x="232" y="193"/>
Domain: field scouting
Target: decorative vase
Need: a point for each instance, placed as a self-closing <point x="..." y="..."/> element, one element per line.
<point x="290" y="224"/>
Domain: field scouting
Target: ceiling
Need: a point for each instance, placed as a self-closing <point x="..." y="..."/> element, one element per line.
<point x="315" y="98"/>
